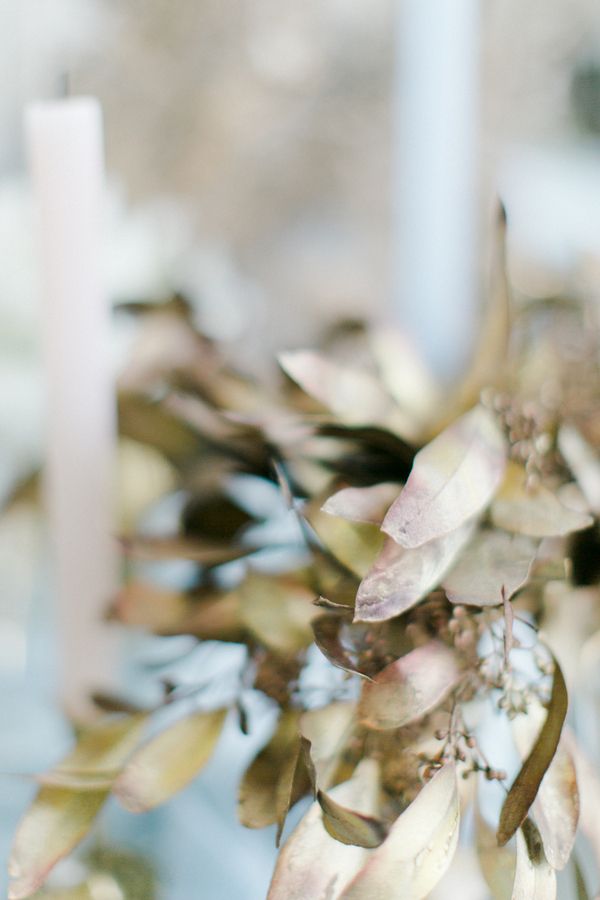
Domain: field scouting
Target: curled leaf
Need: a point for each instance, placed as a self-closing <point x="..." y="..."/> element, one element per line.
<point x="526" y="785"/>
<point x="453" y="479"/>
<point x="556" y="807"/>
<point x="534" y="877"/>
<point x="348" y="826"/>
<point x="534" y="511"/>
<point x="167" y="762"/>
<point x="311" y="862"/>
<point x="356" y="647"/>
<point x="363" y="504"/>
<point x="418" y="849"/>
<point x="266" y="790"/>
<point x="409" y="688"/>
<point x="399" y="578"/>
<point x="491" y="562"/>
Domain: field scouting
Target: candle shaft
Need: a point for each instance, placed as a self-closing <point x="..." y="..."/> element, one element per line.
<point x="65" y="149"/>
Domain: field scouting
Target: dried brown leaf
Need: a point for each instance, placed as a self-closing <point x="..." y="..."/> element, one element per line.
<point x="556" y="807"/>
<point x="265" y="792"/>
<point x="453" y="479"/>
<point x="348" y="826"/>
<point x="210" y="616"/>
<point x="409" y="688"/>
<point x="206" y="553"/>
<point x="526" y="785"/>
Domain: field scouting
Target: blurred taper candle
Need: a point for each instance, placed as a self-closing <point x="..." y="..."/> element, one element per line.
<point x="65" y="149"/>
<point x="435" y="173"/>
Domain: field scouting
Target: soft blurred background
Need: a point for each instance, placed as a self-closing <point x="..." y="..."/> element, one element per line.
<point x="257" y="157"/>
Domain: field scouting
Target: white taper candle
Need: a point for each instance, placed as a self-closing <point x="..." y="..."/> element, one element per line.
<point x="65" y="147"/>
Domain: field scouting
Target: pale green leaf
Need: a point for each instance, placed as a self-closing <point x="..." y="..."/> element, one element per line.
<point x="98" y="756"/>
<point x="169" y="760"/>
<point x="278" y="611"/>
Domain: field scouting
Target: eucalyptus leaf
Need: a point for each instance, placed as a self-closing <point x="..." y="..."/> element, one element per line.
<point x="209" y="615"/>
<point x="363" y="504"/>
<point x="409" y="688"/>
<point x="534" y="511"/>
<point x="418" y="849"/>
<point x="99" y="754"/>
<point x="206" y="553"/>
<point x="267" y="788"/>
<point x="453" y="479"/>
<point x="355" y="544"/>
<point x="493" y="564"/>
<point x="535" y="879"/>
<point x="168" y="761"/>
<point x="311" y="863"/>
<point x="526" y="785"/>
<point x="497" y="864"/>
<point x="400" y="577"/>
<point x="327" y="731"/>
<point x="556" y="807"/>
<point x="354" y="395"/>
<point x="278" y="611"/>
<point x="348" y="826"/>
<point x="57" y="820"/>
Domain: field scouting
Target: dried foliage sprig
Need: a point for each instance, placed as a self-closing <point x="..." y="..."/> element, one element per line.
<point x="428" y="528"/>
